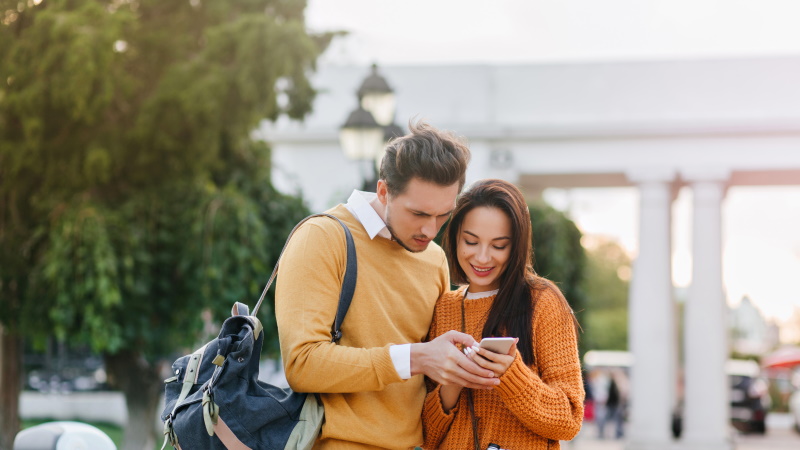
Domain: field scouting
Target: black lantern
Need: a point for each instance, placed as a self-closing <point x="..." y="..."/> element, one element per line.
<point x="364" y="135"/>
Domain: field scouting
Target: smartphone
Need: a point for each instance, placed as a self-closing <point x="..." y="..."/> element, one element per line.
<point x="497" y="344"/>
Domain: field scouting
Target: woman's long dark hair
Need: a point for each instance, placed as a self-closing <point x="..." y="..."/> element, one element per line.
<point x="511" y="313"/>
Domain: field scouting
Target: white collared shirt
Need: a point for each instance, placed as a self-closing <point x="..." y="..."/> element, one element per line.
<point x="477" y="295"/>
<point x="359" y="205"/>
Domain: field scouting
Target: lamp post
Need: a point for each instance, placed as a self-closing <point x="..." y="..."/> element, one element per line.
<point x="368" y="127"/>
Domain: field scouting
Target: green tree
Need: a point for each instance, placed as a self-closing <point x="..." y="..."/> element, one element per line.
<point x="558" y="254"/>
<point x="132" y="196"/>
<point x="606" y="286"/>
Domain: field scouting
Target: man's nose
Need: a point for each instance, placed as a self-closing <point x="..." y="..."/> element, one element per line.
<point x="429" y="228"/>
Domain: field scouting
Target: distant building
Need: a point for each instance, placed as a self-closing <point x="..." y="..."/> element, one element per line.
<point x="656" y="126"/>
<point x="774" y="333"/>
<point x="790" y="333"/>
<point x="751" y="333"/>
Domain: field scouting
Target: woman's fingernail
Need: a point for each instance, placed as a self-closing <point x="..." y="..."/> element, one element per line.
<point x="476" y="348"/>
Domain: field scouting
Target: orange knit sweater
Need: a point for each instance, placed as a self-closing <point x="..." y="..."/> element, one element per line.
<point x="533" y="407"/>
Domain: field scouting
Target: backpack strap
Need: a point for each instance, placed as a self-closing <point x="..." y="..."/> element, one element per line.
<point x="189" y="379"/>
<point x="348" y="284"/>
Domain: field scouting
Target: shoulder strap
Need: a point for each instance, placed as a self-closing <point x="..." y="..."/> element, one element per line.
<point x="348" y="284"/>
<point x="470" y="400"/>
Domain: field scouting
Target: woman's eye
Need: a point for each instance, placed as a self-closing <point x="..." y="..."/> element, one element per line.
<point x="470" y="243"/>
<point x="500" y="248"/>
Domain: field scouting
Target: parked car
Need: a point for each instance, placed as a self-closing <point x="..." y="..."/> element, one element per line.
<point x="794" y="400"/>
<point x="750" y="398"/>
<point x="749" y="393"/>
<point x="788" y="358"/>
<point x="794" y="409"/>
<point x="63" y="435"/>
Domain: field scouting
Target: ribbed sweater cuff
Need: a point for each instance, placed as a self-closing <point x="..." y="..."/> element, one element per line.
<point x="516" y="379"/>
<point x="434" y="414"/>
<point x="384" y="367"/>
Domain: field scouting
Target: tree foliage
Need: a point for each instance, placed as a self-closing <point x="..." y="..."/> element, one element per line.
<point x="131" y="190"/>
<point x="558" y="254"/>
<point x="606" y="286"/>
<point x="132" y="196"/>
<point x="594" y="281"/>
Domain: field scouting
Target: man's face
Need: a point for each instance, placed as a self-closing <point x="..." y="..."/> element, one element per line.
<point x="415" y="216"/>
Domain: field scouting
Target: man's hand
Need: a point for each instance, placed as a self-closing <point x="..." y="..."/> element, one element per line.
<point x="442" y="361"/>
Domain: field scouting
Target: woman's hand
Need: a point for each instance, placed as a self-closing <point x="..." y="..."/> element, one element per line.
<point x="449" y="394"/>
<point x="496" y="362"/>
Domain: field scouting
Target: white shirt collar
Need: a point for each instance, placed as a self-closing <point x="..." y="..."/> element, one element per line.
<point x="359" y="205"/>
<point x="474" y="295"/>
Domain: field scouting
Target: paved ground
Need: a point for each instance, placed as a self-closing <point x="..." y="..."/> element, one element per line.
<point x="780" y="436"/>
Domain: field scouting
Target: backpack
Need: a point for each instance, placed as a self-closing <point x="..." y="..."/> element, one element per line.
<point x="215" y="399"/>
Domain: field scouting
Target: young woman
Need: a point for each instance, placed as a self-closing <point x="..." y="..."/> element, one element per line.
<point x="539" y="400"/>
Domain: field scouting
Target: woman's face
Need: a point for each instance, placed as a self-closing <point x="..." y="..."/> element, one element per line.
<point x="484" y="245"/>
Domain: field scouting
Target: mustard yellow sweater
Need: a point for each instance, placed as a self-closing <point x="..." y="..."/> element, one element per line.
<point x="533" y="407"/>
<point x="367" y="405"/>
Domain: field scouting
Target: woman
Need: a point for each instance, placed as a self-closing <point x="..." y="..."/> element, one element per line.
<point x="539" y="400"/>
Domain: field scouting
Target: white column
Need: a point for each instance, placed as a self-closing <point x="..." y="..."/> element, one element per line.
<point x="706" y="423"/>
<point x="651" y="317"/>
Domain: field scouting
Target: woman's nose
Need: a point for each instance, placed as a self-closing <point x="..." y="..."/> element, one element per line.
<point x="483" y="255"/>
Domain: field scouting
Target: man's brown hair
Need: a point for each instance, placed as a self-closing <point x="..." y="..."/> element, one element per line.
<point x="426" y="153"/>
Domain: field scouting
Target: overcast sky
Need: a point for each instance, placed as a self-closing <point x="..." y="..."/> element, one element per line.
<point x="482" y="31"/>
<point x="761" y="242"/>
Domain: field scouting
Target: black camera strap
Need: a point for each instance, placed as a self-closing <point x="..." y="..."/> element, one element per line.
<point x="473" y="418"/>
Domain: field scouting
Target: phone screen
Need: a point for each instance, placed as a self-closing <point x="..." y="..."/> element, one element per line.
<point x="498" y="345"/>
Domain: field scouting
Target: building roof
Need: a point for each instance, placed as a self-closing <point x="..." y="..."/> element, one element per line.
<point x="745" y="95"/>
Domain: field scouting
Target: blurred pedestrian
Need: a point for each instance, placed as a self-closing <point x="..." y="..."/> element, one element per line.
<point x="588" y="402"/>
<point x="615" y="406"/>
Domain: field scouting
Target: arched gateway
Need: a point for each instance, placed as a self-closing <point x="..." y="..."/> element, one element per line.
<point x="657" y="126"/>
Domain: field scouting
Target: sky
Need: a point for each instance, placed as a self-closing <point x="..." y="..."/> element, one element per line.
<point x="483" y="31"/>
<point x="761" y="242"/>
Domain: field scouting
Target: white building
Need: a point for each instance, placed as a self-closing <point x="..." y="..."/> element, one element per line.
<point x="656" y="126"/>
<point x="751" y="333"/>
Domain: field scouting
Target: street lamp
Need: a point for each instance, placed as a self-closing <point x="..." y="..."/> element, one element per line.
<point x="377" y="97"/>
<point x="368" y="128"/>
<point x="361" y="135"/>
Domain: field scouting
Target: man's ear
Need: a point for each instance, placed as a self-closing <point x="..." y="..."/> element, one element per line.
<point x="383" y="192"/>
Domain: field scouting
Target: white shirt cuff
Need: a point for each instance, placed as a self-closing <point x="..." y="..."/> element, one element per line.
<point x="401" y="358"/>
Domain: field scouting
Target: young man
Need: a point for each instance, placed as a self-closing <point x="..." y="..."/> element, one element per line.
<point x="368" y="381"/>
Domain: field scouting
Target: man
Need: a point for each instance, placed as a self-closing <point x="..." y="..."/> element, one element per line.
<point x="369" y="381"/>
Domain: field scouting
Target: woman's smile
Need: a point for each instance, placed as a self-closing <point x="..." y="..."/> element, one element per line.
<point x="484" y="247"/>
